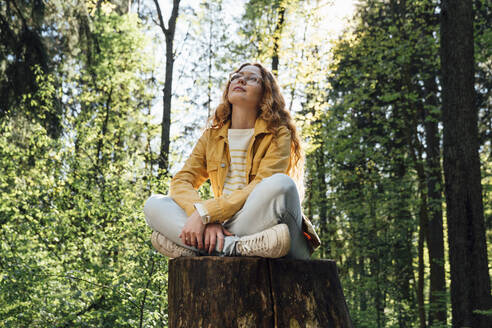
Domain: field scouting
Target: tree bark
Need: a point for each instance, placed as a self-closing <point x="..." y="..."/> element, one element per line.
<point x="325" y="232"/>
<point x="470" y="282"/>
<point x="423" y="226"/>
<point x="168" y="82"/>
<point x="416" y="152"/>
<point x="435" y="236"/>
<point x="255" y="292"/>
<point x="276" y="36"/>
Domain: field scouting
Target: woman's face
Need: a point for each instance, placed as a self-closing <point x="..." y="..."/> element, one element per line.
<point x="245" y="88"/>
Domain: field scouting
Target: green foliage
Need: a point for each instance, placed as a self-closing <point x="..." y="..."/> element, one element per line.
<point x="369" y="145"/>
<point x="78" y="160"/>
<point x="75" y="248"/>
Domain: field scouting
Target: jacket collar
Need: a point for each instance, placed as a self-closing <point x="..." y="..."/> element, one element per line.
<point x="260" y="127"/>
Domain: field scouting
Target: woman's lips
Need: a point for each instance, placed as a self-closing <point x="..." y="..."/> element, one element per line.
<point x="238" y="88"/>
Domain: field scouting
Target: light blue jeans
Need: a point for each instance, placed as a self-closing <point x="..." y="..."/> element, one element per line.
<point x="274" y="200"/>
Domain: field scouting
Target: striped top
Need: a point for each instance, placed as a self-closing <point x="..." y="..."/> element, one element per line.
<point x="238" y="146"/>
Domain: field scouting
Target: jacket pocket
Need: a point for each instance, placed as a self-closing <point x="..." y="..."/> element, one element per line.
<point x="212" y="166"/>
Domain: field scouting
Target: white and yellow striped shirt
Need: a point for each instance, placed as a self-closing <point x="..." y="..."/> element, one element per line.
<point x="238" y="146"/>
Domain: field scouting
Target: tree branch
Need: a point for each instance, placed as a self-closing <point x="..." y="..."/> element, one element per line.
<point x="161" y="21"/>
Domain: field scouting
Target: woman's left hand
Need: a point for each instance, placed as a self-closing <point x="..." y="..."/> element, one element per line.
<point x="192" y="233"/>
<point x="214" y="233"/>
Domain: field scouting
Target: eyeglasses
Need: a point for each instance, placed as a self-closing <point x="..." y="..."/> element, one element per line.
<point x="250" y="78"/>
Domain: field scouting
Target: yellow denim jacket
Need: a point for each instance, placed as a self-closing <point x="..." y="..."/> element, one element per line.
<point x="210" y="159"/>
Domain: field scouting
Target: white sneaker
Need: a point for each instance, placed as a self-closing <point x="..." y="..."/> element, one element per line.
<point x="168" y="247"/>
<point x="273" y="242"/>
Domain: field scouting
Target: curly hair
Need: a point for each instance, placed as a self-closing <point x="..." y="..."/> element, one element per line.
<point x="272" y="110"/>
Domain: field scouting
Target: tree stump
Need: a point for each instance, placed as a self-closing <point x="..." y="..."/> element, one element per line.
<point x="210" y="291"/>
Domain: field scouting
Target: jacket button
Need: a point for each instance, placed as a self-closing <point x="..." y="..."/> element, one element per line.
<point x="222" y="165"/>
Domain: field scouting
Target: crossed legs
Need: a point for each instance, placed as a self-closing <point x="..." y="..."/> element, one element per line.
<point x="274" y="200"/>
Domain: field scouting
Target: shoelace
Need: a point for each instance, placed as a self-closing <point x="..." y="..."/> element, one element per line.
<point x="247" y="245"/>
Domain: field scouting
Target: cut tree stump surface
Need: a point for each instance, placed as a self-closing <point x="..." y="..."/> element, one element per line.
<point x="210" y="291"/>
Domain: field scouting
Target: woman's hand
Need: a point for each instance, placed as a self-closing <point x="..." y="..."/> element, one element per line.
<point x="215" y="232"/>
<point x="192" y="233"/>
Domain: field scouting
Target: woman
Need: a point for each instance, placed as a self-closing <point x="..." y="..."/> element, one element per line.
<point x="251" y="154"/>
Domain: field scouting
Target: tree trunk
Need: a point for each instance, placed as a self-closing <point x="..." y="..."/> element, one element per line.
<point x="325" y="233"/>
<point x="276" y="36"/>
<point x="416" y="152"/>
<point x="435" y="236"/>
<point x="255" y="292"/>
<point x="421" y="266"/>
<point x="470" y="282"/>
<point x="404" y="229"/>
<point x="168" y="83"/>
